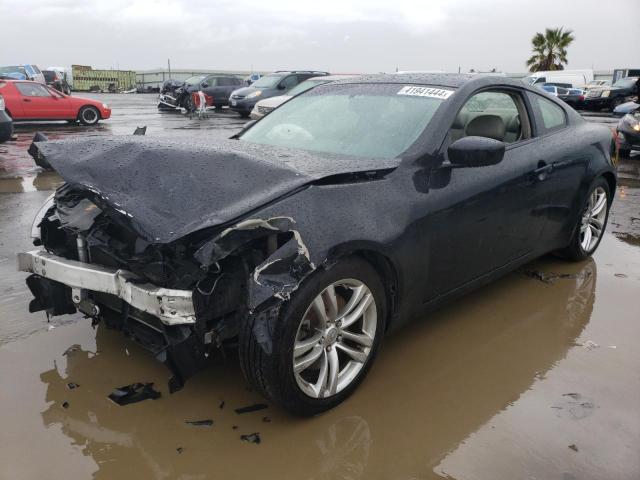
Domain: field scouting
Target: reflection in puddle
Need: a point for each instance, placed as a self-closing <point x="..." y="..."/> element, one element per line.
<point x="434" y="383"/>
<point x="31" y="182"/>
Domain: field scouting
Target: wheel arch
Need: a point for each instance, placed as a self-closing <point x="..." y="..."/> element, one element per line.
<point x="611" y="181"/>
<point x="384" y="266"/>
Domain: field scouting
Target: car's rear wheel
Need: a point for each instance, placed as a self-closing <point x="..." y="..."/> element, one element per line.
<point x="592" y="222"/>
<point x="323" y="341"/>
<point x="89" y="115"/>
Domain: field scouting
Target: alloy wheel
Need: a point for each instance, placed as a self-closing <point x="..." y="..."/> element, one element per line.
<point x="593" y="218"/>
<point x="335" y="338"/>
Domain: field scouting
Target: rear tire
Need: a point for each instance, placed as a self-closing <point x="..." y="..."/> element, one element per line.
<point x="273" y="374"/>
<point x="591" y="223"/>
<point x="89" y="115"/>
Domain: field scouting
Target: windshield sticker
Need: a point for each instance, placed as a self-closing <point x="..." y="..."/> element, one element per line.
<point x="426" y="92"/>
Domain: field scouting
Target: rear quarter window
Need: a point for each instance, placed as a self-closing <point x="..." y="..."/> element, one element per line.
<point x="551" y="116"/>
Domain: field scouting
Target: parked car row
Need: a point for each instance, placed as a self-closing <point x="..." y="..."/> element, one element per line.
<point x="229" y="90"/>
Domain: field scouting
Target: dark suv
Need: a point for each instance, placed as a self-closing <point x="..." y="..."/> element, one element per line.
<point x="611" y="97"/>
<point x="277" y="83"/>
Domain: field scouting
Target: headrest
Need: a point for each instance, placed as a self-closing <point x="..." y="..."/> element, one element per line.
<point x="490" y="126"/>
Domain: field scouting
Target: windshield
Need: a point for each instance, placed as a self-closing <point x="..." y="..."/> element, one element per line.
<point x="195" y="80"/>
<point x="304" y="86"/>
<point x="375" y="121"/>
<point x="267" y="81"/>
<point x="625" y="82"/>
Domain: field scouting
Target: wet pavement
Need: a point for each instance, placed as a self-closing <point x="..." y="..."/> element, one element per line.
<point x="521" y="379"/>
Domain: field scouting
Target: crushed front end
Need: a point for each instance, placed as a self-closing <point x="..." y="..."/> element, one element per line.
<point x="92" y="261"/>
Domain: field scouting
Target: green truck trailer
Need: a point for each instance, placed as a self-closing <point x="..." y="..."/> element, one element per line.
<point x="87" y="79"/>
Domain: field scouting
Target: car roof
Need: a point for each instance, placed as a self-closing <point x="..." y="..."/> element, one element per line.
<point x="331" y="78"/>
<point x="452" y="80"/>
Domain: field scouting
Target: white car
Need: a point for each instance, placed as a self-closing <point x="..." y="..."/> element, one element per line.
<point x="263" y="107"/>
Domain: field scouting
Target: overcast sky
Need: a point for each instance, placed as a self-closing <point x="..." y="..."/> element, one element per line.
<point x="336" y="35"/>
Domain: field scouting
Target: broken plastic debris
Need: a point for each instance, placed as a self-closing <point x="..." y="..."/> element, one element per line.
<point x="50" y="327"/>
<point x="65" y="404"/>
<point x="136" y="392"/>
<point x="251" y="408"/>
<point x="179" y="449"/>
<point x="200" y="423"/>
<point x="266" y="419"/>
<point x="221" y="405"/>
<point x="72" y="385"/>
<point x="589" y="345"/>
<point x="251" y="438"/>
<point x="573" y="447"/>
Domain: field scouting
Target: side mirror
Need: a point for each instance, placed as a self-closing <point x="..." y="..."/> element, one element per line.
<point x="281" y="87"/>
<point x="204" y="84"/>
<point x="476" y="152"/>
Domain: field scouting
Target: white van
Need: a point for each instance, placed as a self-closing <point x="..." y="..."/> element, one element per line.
<point x="571" y="78"/>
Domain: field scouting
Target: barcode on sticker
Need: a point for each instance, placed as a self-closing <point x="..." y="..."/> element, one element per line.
<point x="426" y="92"/>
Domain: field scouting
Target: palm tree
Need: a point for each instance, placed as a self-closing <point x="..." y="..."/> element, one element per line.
<point x="550" y="49"/>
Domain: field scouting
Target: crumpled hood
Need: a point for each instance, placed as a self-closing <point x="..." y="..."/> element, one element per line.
<point x="169" y="189"/>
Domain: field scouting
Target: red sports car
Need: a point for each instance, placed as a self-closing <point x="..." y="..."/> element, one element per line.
<point x="26" y="100"/>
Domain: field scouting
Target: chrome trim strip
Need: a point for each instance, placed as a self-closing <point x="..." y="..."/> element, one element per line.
<point x="172" y="307"/>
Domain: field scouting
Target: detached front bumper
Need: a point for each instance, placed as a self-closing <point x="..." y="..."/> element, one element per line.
<point x="171" y="307"/>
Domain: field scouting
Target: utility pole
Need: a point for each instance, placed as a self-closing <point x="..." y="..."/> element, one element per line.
<point x="169" y="67"/>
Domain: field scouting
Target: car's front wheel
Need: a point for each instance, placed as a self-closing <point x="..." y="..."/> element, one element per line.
<point x="592" y="222"/>
<point x="89" y="115"/>
<point x="323" y="341"/>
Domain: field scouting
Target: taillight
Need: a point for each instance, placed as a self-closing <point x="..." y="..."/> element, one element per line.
<point x="581" y="98"/>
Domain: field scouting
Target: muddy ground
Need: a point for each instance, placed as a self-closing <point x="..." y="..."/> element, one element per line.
<point x="536" y="376"/>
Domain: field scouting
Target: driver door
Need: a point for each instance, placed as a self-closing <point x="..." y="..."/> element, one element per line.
<point x="487" y="217"/>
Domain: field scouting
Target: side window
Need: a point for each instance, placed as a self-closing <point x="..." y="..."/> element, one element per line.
<point x="289" y="82"/>
<point x="553" y="116"/>
<point x="490" y="114"/>
<point x="32" y="90"/>
<point x="211" y="81"/>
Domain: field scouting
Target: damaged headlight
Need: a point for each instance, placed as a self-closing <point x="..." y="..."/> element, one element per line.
<point x="254" y="94"/>
<point x="632" y="121"/>
<point x="35" y="226"/>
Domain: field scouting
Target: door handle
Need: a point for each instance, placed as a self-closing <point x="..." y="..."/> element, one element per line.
<point x="543" y="170"/>
<point x="26" y="99"/>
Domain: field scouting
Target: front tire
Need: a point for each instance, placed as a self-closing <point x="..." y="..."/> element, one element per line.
<point x="323" y="340"/>
<point x="592" y="222"/>
<point x="89" y="115"/>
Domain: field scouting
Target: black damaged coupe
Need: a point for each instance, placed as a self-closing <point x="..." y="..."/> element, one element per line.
<point x="303" y="240"/>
